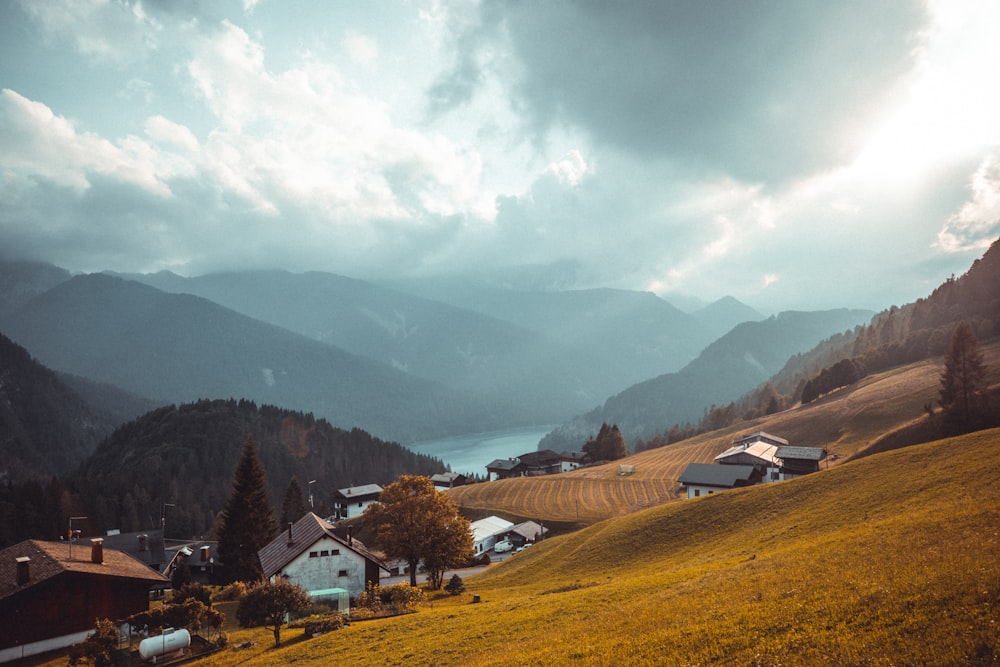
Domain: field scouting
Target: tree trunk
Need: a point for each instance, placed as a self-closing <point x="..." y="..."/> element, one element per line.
<point x="413" y="572"/>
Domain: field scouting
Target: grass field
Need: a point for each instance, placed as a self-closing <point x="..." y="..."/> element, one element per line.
<point x="890" y="560"/>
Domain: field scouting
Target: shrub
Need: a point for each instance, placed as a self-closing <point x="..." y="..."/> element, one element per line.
<point x="232" y="592"/>
<point x="370" y="599"/>
<point x="98" y="646"/>
<point x="403" y="597"/>
<point x="196" y="591"/>
<point x="455" y="585"/>
<point x="317" y="624"/>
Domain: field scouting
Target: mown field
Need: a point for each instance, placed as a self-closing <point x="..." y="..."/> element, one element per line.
<point x="890" y="560"/>
<point x="845" y="422"/>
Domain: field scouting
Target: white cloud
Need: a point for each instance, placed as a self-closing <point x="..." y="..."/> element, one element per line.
<point x="105" y="30"/>
<point x="977" y="224"/>
<point x="361" y="48"/>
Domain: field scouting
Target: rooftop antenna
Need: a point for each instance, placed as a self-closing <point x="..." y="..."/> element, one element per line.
<point x="71" y="534"/>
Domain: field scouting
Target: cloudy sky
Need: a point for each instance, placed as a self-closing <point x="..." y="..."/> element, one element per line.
<point x="793" y="154"/>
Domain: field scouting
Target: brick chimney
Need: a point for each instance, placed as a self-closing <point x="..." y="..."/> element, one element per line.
<point x="142" y="541"/>
<point x="204" y="553"/>
<point x="350" y="536"/>
<point x="23" y="570"/>
<point x="97" y="550"/>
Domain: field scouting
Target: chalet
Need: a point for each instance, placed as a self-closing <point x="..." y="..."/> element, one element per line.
<point x="321" y="560"/>
<point x="503" y="469"/>
<point x="761" y="454"/>
<point x="527" y="532"/>
<point x="448" y="480"/>
<point x="201" y="560"/>
<point x="51" y="593"/>
<point x="570" y="460"/>
<point x="797" y="461"/>
<point x="701" y="479"/>
<point x="486" y="532"/>
<point x="530" y="464"/>
<point x="145" y="546"/>
<point x="353" y="501"/>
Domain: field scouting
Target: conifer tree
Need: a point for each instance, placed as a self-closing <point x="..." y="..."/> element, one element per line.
<point x="247" y="520"/>
<point x="293" y="507"/>
<point x="963" y="383"/>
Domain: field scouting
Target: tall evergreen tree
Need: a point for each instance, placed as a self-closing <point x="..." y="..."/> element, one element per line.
<point x="293" y="507"/>
<point x="247" y="520"/>
<point x="963" y="383"/>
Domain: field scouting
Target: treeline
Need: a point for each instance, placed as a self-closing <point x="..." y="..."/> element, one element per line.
<point x="175" y="465"/>
<point x="895" y="337"/>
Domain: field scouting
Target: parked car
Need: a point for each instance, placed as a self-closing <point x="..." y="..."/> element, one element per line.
<point x="524" y="546"/>
<point x="503" y="546"/>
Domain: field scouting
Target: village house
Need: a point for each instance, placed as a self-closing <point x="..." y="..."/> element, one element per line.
<point x="326" y="563"/>
<point x="570" y="460"/>
<point x="531" y="464"/>
<point x="51" y="593"/>
<point x="448" y="480"/>
<point x="700" y="479"/>
<point x="527" y="532"/>
<point x="352" y="502"/>
<point x="773" y="455"/>
<point x="200" y="558"/>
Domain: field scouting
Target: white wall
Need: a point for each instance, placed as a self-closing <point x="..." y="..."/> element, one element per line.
<point x="317" y="572"/>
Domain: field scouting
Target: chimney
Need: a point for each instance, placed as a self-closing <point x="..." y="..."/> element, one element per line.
<point x="204" y="553"/>
<point x="142" y="541"/>
<point x="97" y="550"/>
<point x="290" y="540"/>
<point x="23" y="570"/>
<point x="350" y="537"/>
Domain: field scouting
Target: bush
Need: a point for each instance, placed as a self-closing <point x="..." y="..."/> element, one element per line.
<point x="98" y="646"/>
<point x="317" y="624"/>
<point x="196" y="591"/>
<point x="455" y="585"/>
<point x="232" y="592"/>
<point x="370" y="599"/>
<point x="403" y="597"/>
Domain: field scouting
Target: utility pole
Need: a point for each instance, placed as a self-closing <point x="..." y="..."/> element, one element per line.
<point x="71" y="535"/>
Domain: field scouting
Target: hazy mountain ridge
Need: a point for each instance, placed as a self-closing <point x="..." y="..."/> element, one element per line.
<point x="728" y="368"/>
<point x="177" y="348"/>
<point x="506" y="364"/>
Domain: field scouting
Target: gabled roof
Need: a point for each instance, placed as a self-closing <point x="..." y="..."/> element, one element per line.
<point x="761" y="436"/>
<point x="803" y="453"/>
<point x="539" y="458"/>
<point x="363" y="490"/>
<point x="145" y="546"/>
<point x="722" y="476"/>
<point x="491" y="525"/>
<point x="49" y="559"/>
<point x="305" y="532"/>
<point x="503" y="464"/>
<point x="572" y="456"/>
<point x="759" y="450"/>
<point x="530" y="530"/>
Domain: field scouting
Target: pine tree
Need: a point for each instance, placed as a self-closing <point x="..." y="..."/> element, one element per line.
<point x="247" y="520"/>
<point x="293" y="507"/>
<point x="963" y="383"/>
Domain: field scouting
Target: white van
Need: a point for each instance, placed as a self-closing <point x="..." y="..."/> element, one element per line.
<point x="503" y="546"/>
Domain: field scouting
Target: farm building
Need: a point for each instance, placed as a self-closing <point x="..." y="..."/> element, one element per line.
<point x="448" y="480"/>
<point x="314" y="556"/>
<point x="486" y="532"/>
<point x="773" y="455"/>
<point x="353" y="501"/>
<point x="700" y="479"/>
<point x="52" y="592"/>
<point x="530" y="464"/>
<point x="200" y="558"/>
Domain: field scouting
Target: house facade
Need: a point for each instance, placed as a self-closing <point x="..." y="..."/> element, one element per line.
<point x="313" y="555"/>
<point x="570" y="460"/>
<point x="701" y="479"/>
<point x="352" y="502"/>
<point x="529" y="464"/>
<point x="448" y="480"/>
<point x="50" y="597"/>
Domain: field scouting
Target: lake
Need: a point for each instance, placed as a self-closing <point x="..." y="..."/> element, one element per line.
<point x="470" y="453"/>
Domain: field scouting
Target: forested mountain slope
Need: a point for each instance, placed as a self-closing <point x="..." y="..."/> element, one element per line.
<point x="46" y="429"/>
<point x="185" y="455"/>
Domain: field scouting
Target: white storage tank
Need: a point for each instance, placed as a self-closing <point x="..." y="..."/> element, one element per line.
<point x="170" y="641"/>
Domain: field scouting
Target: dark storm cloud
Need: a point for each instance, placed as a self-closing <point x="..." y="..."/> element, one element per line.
<point x="759" y="91"/>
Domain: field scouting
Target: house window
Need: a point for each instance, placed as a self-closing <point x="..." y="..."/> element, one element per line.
<point x="323" y="553"/>
<point x="342" y="573"/>
<point x="697" y="492"/>
<point x="313" y="554"/>
<point x="335" y="552"/>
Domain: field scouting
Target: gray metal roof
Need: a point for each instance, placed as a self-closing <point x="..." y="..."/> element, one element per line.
<point x="805" y="453"/>
<point x="709" y="474"/>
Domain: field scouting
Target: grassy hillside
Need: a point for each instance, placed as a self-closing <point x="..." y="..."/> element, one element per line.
<point x="893" y="559"/>
<point x="845" y="422"/>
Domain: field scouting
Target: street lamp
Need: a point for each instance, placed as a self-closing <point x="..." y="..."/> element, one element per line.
<point x="70" y="536"/>
<point x="310" y="486"/>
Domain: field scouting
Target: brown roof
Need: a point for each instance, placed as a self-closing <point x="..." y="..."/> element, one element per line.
<point x="278" y="553"/>
<point x="49" y="559"/>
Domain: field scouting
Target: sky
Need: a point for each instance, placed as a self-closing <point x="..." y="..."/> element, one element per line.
<point x="793" y="154"/>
